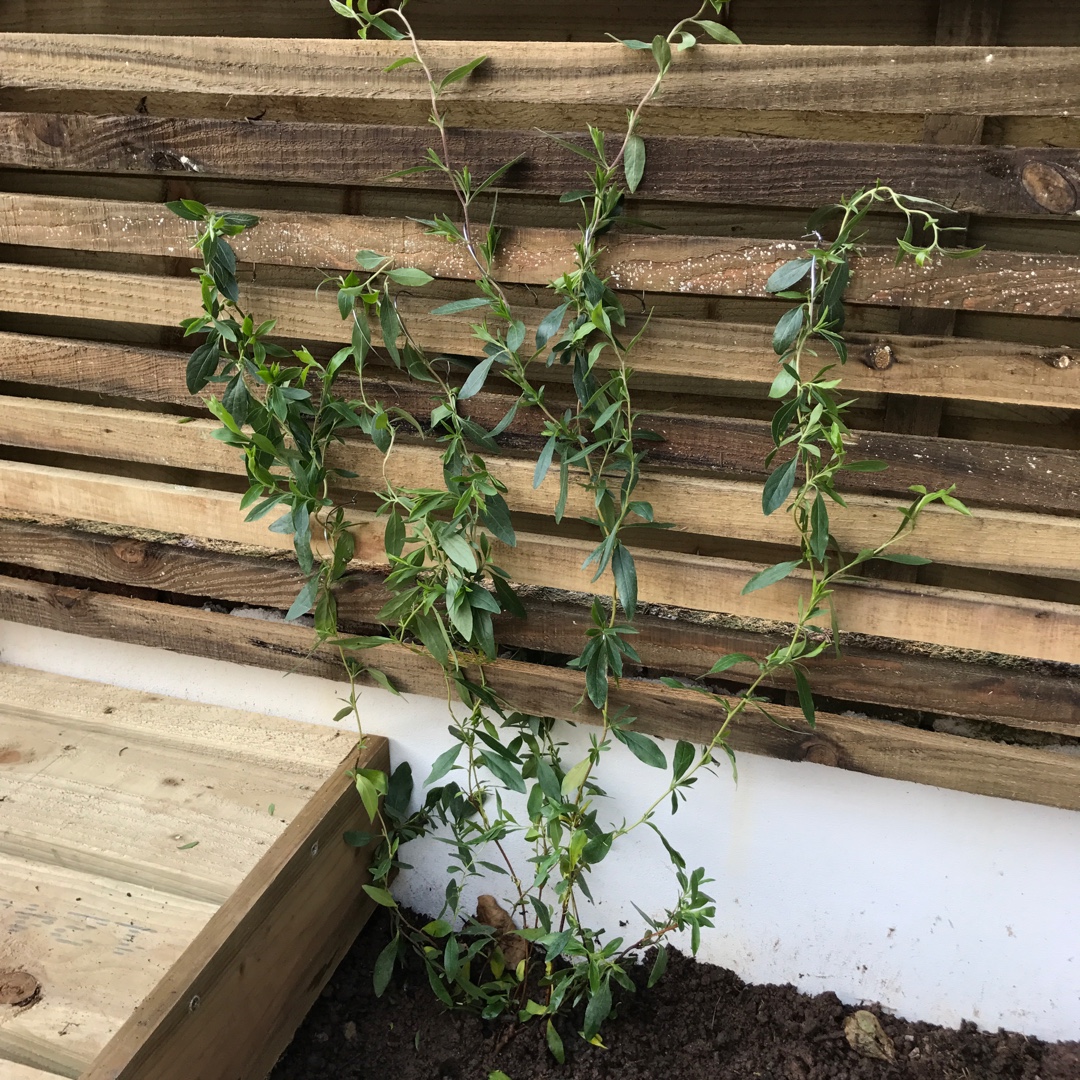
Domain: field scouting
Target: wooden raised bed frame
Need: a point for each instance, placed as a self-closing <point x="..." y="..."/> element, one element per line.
<point x="162" y="946"/>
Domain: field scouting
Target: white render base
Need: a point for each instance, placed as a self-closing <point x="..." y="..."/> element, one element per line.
<point x="939" y="905"/>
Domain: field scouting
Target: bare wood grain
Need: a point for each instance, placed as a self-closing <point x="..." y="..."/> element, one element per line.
<point x="749" y="171"/>
<point x="1005" y="81"/>
<point x="1010" y="282"/>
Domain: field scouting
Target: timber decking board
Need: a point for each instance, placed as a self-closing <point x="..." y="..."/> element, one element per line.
<point x="984" y="622"/>
<point x="869" y="746"/>
<point x="1036" y="699"/>
<point x="796" y="173"/>
<point x="999" y="81"/>
<point x="1010" y="282"/>
<point x="128" y="820"/>
<point x="992" y="539"/>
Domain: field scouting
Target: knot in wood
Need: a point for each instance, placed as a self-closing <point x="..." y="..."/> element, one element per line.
<point x="1050" y="186"/>
<point x="819" y="752"/>
<point x="131" y="552"/>
<point x="18" y="988"/>
<point x="879" y="357"/>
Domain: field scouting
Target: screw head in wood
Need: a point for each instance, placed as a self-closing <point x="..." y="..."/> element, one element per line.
<point x="314" y="849"/>
<point x="194" y="1003"/>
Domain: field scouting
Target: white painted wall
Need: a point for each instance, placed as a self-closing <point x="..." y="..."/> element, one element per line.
<point x="940" y="905"/>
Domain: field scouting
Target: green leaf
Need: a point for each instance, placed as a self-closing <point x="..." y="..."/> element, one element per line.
<point x="787" y="330"/>
<point x="806" y="697"/>
<point x="778" y="486"/>
<point x="460" y="73"/>
<point x="475" y="382"/>
<point x="634" y="162"/>
<point x="555" y="1044"/>
<point x="791" y="273"/>
<point x="659" y="966"/>
<point x="384" y="966"/>
<point x="410" y="277"/>
<point x="642" y="747"/>
<point x="661" y="51"/>
<point x="684" y="758"/>
<point x="719" y="32"/>
<point x="770" y="576"/>
<point x="461" y="305"/>
<point x="866" y="466"/>
<point x="189" y="846"/>
<point x="354" y="838"/>
<point x="906" y="560"/>
<point x="394" y="535"/>
<point x="443" y="764"/>
<point x="543" y="463"/>
<point x="632" y="43"/>
<point x="400" y="62"/>
<point x="188" y="209"/>
<point x="380" y="896"/>
<point x="599" y="1007"/>
<point x="729" y="661"/>
<point x="202" y="366"/>
<point x="549" y="327"/>
<point x="305" y="601"/>
<point x="457" y="550"/>
<point x="622" y="566"/>
<point x="503" y="770"/>
<point x="496" y="516"/>
<point x="576" y="777"/>
<point x="819" y="528"/>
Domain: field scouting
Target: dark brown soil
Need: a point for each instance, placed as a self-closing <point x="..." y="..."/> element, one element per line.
<point x="699" y="1023"/>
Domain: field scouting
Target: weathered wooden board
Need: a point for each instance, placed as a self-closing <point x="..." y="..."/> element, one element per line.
<point x="713" y="266"/>
<point x="750" y="172"/>
<point x="1041" y="700"/>
<point x="966" y="620"/>
<point x="1001" y="81"/>
<point x="128" y="820"/>
<point x="687" y="348"/>
<point x="225" y="1005"/>
<point x="869" y="746"/>
<point x="992" y="539"/>
<point x="1035" y="478"/>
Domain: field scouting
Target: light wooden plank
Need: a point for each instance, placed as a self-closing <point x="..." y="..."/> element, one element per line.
<point x="863" y="745"/>
<point x="261" y="961"/>
<point x="1019" y="477"/>
<point x="748" y="172"/>
<point x="672" y="347"/>
<point x="1009" y="625"/>
<point x="992" y="539"/>
<point x="712" y="266"/>
<point x="1003" y="81"/>
<point x="97" y="946"/>
<point x="1020" y="696"/>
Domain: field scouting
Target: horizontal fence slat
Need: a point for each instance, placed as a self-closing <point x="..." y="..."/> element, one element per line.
<point x="965" y="620"/>
<point x="1013" y="696"/>
<point x="1008" y="282"/>
<point x="869" y="746"/>
<point x="752" y="171"/>
<point x="990" y="539"/>
<point x="682" y="348"/>
<point x="803" y="78"/>
<point x="1034" y="478"/>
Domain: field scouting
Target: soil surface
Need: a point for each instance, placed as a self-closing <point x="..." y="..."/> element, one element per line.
<point x="700" y="1022"/>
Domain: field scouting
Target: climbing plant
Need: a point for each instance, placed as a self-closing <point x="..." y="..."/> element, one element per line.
<point x="506" y="786"/>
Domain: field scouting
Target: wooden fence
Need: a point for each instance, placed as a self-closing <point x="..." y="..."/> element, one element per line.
<point x="120" y="522"/>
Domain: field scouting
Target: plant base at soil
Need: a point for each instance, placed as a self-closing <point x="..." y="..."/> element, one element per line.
<point x="700" y="1022"/>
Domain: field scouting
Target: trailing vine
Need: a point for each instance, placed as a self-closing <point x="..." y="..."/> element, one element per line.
<point x="504" y="783"/>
